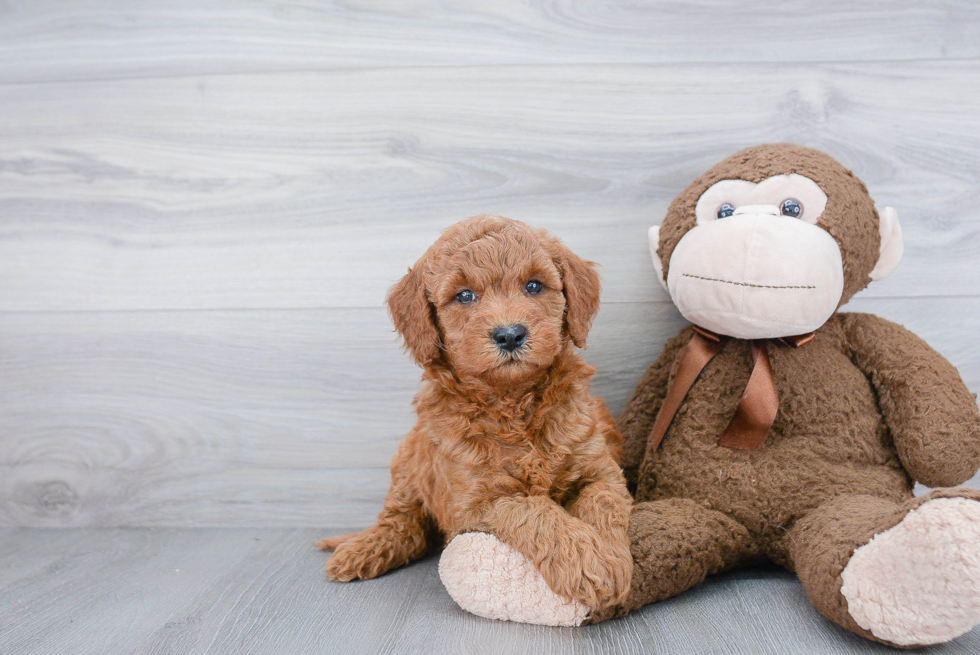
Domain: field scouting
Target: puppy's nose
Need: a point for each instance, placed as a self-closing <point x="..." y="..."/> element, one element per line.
<point x="509" y="337"/>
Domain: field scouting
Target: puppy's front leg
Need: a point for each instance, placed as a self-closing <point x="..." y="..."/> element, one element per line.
<point x="399" y="536"/>
<point x="603" y="500"/>
<point x="605" y="505"/>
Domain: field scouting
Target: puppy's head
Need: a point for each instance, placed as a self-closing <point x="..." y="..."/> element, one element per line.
<point x="495" y="300"/>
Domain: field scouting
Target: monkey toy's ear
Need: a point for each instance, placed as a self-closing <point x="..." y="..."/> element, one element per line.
<point x="658" y="265"/>
<point x="892" y="246"/>
<point x="414" y="316"/>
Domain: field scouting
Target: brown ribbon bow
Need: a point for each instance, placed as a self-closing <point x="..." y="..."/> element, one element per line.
<point x="759" y="403"/>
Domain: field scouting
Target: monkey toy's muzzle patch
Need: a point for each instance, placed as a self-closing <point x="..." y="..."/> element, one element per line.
<point x="757" y="275"/>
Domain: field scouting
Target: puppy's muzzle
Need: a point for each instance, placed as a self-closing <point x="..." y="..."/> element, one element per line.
<point x="509" y="337"/>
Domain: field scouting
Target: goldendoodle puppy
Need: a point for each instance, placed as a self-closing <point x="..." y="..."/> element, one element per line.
<point x="508" y="440"/>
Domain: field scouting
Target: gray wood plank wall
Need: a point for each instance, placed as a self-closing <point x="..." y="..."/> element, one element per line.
<point x="201" y="207"/>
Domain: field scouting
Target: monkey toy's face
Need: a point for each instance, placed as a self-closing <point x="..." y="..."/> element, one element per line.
<point x="770" y="242"/>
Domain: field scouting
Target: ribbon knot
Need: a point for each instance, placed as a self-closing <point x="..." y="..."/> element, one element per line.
<point x="758" y="405"/>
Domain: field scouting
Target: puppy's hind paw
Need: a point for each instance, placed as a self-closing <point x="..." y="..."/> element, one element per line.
<point x="358" y="558"/>
<point x="490" y="579"/>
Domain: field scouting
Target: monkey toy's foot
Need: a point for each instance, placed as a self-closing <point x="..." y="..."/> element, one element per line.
<point x="918" y="583"/>
<point x="490" y="579"/>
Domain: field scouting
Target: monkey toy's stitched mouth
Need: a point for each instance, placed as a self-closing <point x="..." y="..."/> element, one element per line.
<point x="779" y="276"/>
<point x="749" y="284"/>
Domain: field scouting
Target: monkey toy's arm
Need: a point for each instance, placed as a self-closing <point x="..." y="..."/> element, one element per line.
<point x="931" y="414"/>
<point x="636" y="421"/>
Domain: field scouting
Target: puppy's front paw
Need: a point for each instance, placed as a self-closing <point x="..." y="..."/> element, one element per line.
<point x="490" y="579"/>
<point x="613" y="573"/>
<point x="595" y="573"/>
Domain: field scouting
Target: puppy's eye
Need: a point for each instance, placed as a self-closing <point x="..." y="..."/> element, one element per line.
<point x="533" y="287"/>
<point x="791" y="207"/>
<point x="726" y="210"/>
<point x="465" y="297"/>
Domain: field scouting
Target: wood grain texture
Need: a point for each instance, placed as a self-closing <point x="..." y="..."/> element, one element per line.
<point x="266" y="418"/>
<point x="318" y="190"/>
<point x="98" y="39"/>
<point x="203" y="204"/>
<point x="263" y="591"/>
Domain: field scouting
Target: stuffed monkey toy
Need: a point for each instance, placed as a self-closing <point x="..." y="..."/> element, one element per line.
<point x="776" y="428"/>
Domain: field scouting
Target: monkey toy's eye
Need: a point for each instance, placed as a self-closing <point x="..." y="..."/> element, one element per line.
<point x="726" y="210"/>
<point x="465" y="297"/>
<point x="791" y="207"/>
<point x="533" y="287"/>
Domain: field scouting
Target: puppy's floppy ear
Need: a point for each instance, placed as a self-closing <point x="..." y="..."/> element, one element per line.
<point x="414" y="315"/>
<point x="580" y="284"/>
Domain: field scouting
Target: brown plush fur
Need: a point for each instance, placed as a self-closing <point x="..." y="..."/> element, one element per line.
<point x="508" y="444"/>
<point x="865" y="409"/>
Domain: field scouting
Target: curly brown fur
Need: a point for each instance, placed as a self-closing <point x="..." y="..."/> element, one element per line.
<point x="511" y="444"/>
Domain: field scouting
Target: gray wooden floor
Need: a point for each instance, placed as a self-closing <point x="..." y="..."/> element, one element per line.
<point x="261" y="591"/>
